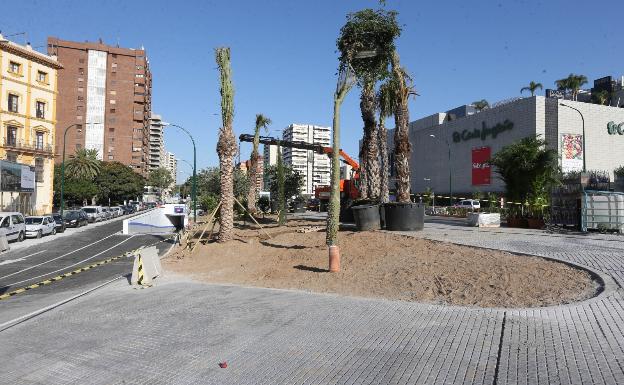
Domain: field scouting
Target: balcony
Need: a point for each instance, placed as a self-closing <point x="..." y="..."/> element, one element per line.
<point x="26" y="146"/>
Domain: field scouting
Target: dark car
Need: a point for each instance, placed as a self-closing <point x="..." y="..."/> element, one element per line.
<point x="59" y="222"/>
<point x="75" y="218"/>
<point x="128" y="209"/>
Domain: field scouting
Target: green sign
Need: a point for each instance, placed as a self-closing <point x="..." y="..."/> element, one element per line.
<point x="613" y="128"/>
<point x="482" y="132"/>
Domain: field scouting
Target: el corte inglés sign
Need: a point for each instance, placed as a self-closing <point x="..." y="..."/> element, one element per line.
<point x="483" y="132"/>
<point x="613" y="128"/>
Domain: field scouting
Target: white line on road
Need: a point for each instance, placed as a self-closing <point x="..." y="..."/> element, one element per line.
<point x="54" y="259"/>
<point x="70" y="266"/>
<point x="6" y="262"/>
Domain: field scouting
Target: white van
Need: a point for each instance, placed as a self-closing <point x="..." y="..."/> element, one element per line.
<point x="12" y="225"/>
<point x="95" y="213"/>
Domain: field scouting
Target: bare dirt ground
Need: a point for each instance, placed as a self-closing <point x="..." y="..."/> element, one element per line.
<point x="383" y="265"/>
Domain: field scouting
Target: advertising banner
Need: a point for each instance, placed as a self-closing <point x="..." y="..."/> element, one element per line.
<point x="571" y="152"/>
<point x="27" y="180"/>
<point x="481" y="170"/>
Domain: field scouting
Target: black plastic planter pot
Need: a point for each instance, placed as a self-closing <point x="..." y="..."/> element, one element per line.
<point x="366" y="217"/>
<point x="404" y="216"/>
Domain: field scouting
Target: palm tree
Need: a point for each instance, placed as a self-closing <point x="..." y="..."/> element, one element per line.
<point x="84" y="165"/>
<point x="226" y="146"/>
<point x="254" y="169"/>
<point x="345" y="83"/>
<point x="572" y="84"/>
<point x="366" y="43"/>
<point x="481" y="105"/>
<point x="601" y="97"/>
<point x="403" y="88"/>
<point x="385" y="105"/>
<point x="532" y="87"/>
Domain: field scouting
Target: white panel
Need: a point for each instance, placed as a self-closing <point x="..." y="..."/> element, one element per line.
<point x="96" y="99"/>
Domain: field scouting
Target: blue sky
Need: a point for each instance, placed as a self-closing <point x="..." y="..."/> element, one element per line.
<point x="284" y="54"/>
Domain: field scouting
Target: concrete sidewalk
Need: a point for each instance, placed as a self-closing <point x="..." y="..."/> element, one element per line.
<point x="178" y="332"/>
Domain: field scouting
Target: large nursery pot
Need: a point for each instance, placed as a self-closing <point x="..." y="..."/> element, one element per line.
<point x="404" y="216"/>
<point x="366" y="217"/>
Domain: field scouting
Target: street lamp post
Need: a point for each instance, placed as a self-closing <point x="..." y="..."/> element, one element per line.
<point x="450" y="167"/>
<point x="194" y="188"/>
<point x="63" y="166"/>
<point x="583" y="122"/>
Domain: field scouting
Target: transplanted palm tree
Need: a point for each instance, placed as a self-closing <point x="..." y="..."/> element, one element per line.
<point x="532" y="87"/>
<point x="481" y="105"/>
<point x="403" y="88"/>
<point x="572" y="84"/>
<point x="254" y="169"/>
<point x="366" y="43"/>
<point x="385" y="106"/>
<point x="226" y="146"/>
<point x="84" y="165"/>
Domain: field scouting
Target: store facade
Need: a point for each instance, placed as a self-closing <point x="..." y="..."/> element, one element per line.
<point x="453" y="148"/>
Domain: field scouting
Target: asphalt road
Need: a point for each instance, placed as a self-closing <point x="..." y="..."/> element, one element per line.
<point x="47" y="261"/>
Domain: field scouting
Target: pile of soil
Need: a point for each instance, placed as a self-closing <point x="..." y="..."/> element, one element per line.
<point x="384" y="265"/>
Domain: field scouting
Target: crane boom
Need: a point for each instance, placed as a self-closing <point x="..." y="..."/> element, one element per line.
<point x="301" y="145"/>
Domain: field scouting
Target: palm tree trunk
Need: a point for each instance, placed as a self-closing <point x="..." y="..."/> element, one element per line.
<point x="402" y="148"/>
<point x="281" y="188"/>
<point x="382" y="133"/>
<point x="252" y="194"/>
<point x="370" y="146"/>
<point x="226" y="146"/>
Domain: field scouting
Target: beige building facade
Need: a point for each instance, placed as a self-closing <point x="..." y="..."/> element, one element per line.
<point x="28" y="93"/>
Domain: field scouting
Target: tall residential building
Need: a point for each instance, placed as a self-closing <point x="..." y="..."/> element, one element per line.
<point x="106" y="91"/>
<point x="171" y="164"/>
<point x="270" y="159"/>
<point x="314" y="167"/>
<point x="28" y="95"/>
<point x="156" y="149"/>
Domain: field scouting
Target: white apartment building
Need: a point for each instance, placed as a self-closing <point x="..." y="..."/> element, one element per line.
<point x="156" y="146"/>
<point x="314" y="167"/>
<point x="270" y="159"/>
<point x="171" y="164"/>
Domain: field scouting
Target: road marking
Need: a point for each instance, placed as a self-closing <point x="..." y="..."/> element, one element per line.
<point x="72" y="265"/>
<point x="54" y="259"/>
<point x="77" y="271"/>
<point x="6" y="262"/>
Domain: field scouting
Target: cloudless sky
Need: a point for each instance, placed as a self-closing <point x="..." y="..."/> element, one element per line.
<point x="284" y="56"/>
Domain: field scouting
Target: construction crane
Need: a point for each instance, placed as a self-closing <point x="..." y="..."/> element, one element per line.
<point x="348" y="188"/>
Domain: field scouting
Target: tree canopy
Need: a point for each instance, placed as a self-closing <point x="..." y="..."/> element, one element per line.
<point x="84" y="165"/>
<point x="118" y="182"/>
<point x="292" y="178"/>
<point x="160" y="178"/>
<point x="527" y="168"/>
<point x="366" y="43"/>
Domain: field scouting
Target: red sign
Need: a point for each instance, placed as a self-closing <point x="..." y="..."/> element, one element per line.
<point x="481" y="170"/>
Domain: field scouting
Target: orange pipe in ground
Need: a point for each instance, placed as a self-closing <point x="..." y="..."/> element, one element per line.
<point x="334" y="259"/>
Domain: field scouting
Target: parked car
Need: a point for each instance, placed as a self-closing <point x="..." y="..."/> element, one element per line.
<point x="61" y="224"/>
<point x="119" y="211"/>
<point x="470" y="204"/>
<point x="12" y="225"/>
<point x="128" y="209"/>
<point x="75" y="218"/>
<point x="36" y="227"/>
<point x="94" y="213"/>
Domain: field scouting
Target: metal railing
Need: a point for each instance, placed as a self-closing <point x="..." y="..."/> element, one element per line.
<point x="26" y="145"/>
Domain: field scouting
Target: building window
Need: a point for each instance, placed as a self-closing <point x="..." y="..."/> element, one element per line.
<point x="11" y="138"/>
<point x="39" y="142"/>
<point x="39" y="170"/>
<point x="78" y="108"/>
<point x="80" y="60"/>
<point x="112" y="101"/>
<point x="42" y="77"/>
<point x="112" y="110"/>
<point x="80" y="89"/>
<point x="111" y="157"/>
<point x="80" y="98"/>
<point x="11" y="157"/>
<point x="81" y="71"/>
<point x="14" y="67"/>
<point x="40" y="110"/>
<point x="13" y="102"/>
<point x="114" y="65"/>
<point x="78" y="146"/>
<point x="111" y="130"/>
<point x="114" y="56"/>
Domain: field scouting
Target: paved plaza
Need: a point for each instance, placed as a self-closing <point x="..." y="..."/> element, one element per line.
<point x="178" y="331"/>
